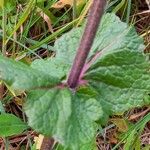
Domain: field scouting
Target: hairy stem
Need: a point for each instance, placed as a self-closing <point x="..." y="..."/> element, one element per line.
<point x="93" y="21"/>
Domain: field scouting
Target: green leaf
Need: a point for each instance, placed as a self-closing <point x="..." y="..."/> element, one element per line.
<point x="137" y="143"/>
<point x="53" y="67"/>
<point x="118" y="69"/>
<point x="122" y="80"/>
<point x="8" y="5"/>
<point x="23" y="77"/>
<point x="70" y="119"/>
<point x="129" y="145"/>
<point x="11" y="125"/>
<point x="111" y="35"/>
<point x="67" y="44"/>
<point x="120" y="72"/>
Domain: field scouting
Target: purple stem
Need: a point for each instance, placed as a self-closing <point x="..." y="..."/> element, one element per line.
<point x="88" y="64"/>
<point x="93" y="21"/>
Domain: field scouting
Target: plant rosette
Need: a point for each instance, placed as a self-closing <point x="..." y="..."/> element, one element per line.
<point x="115" y="78"/>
